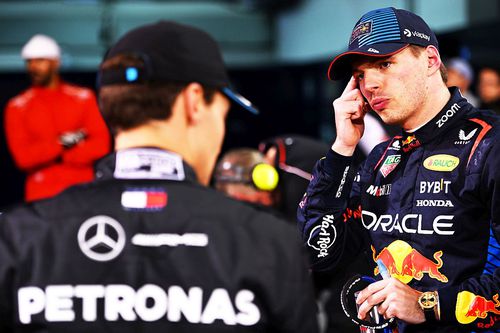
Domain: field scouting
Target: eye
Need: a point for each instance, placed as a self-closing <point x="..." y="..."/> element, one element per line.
<point x="385" y="64"/>
<point x="359" y="76"/>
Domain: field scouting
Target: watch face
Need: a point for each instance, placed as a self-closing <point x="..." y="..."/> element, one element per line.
<point x="427" y="300"/>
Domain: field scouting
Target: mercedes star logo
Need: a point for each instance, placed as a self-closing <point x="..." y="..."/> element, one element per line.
<point x="101" y="238"/>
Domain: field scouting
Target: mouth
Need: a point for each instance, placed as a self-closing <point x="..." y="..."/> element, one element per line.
<point x="379" y="103"/>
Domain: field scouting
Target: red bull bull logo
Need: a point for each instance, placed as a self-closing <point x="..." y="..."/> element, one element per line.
<point x="410" y="143"/>
<point x="471" y="307"/>
<point x="405" y="263"/>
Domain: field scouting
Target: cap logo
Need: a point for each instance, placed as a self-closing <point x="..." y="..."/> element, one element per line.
<point x="372" y="50"/>
<point x="418" y="34"/>
<point x="362" y="29"/>
<point x="131" y="74"/>
<point x="421" y="35"/>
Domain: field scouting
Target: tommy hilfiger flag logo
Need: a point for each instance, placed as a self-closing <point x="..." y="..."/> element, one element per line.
<point x="144" y="199"/>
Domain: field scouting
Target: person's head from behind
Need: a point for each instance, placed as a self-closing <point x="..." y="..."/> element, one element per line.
<point x="165" y="85"/>
<point x="244" y="174"/>
<point x="460" y="74"/>
<point x="394" y="58"/>
<point x="489" y="85"/>
<point x="42" y="56"/>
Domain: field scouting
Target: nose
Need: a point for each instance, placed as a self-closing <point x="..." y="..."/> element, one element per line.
<point x="371" y="80"/>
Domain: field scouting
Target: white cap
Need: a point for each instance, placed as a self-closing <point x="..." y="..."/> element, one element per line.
<point x="461" y="66"/>
<point x="41" y="46"/>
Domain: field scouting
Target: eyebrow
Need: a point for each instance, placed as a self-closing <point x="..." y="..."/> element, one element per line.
<point x="370" y="62"/>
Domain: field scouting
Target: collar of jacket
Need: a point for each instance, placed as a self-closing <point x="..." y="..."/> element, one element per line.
<point x="144" y="163"/>
<point x="455" y="109"/>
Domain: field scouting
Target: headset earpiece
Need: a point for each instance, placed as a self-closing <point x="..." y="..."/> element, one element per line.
<point x="265" y="177"/>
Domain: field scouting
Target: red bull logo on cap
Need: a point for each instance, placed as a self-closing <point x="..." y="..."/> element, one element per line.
<point x="405" y="263"/>
<point x="361" y="29"/>
<point x="471" y="307"/>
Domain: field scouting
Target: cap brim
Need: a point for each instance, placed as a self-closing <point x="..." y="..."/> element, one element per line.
<point x="240" y="100"/>
<point x="340" y="67"/>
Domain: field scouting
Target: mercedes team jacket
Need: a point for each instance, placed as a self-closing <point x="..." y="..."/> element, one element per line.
<point x="34" y="121"/>
<point x="428" y="205"/>
<point x="145" y="248"/>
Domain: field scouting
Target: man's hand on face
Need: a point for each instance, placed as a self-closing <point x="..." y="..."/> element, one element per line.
<point x="350" y="109"/>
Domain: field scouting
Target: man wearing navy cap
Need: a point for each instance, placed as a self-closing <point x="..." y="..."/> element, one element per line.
<point x="147" y="247"/>
<point x="426" y="203"/>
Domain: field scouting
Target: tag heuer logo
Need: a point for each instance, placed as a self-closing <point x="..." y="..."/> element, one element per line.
<point x="389" y="164"/>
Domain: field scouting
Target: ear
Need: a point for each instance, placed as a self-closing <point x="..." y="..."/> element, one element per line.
<point x="193" y="102"/>
<point x="433" y="60"/>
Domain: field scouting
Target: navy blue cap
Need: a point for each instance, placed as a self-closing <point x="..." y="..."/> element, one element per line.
<point x="171" y="52"/>
<point x="381" y="33"/>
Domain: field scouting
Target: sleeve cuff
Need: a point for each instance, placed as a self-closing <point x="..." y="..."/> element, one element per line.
<point x="447" y="303"/>
<point x="334" y="161"/>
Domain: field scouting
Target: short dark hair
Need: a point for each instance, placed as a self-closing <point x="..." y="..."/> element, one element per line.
<point x="126" y="106"/>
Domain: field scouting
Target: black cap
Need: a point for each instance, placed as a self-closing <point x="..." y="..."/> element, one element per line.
<point x="172" y="52"/>
<point x="381" y="33"/>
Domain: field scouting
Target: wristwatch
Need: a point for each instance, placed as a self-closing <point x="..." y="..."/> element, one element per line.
<point x="429" y="303"/>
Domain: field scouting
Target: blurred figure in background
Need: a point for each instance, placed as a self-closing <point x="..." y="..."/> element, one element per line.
<point x="488" y="89"/>
<point x="461" y="75"/>
<point x="294" y="157"/>
<point x="54" y="130"/>
<point x="243" y="174"/>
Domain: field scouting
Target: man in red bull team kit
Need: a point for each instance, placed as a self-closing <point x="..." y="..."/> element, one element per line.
<point x="147" y="247"/>
<point x="425" y="203"/>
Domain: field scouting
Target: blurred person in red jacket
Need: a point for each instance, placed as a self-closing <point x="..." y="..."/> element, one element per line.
<point x="54" y="130"/>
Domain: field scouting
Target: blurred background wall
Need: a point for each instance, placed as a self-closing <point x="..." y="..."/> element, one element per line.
<point x="277" y="51"/>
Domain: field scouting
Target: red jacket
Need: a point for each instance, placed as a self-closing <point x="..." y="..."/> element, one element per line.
<point x="34" y="121"/>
